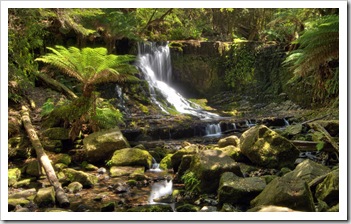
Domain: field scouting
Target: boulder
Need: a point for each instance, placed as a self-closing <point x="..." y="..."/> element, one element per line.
<point x="74" y="187"/>
<point x="234" y="153"/>
<point x="209" y="165"/>
<point x="236" y="190"/>
<point x="119" y="171"/>
<point x="230" y="140"/>
<point x="328" y="190"/>
<point x="61" y="158"/>
<point x="99" y="146"/>
<point x="288" y="192"/>
<point x="267" y="148"/>
<point x="166" y="162"/>
<point x="13" y="175"/>
<point x="87" y="180"/>
<point x="176" y="158"/>
<point x="131" y="157"/>
<point x="13" y="202"/>
<point x="45" y="197"/>
<point x="33" y="168"/>
<point x="308" y="170"/>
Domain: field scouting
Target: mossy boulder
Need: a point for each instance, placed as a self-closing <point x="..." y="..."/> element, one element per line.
<point x="288" y="192"/>
<point x="267" y="148"/>
<point x="166" y="162"/>
<point x="51" y="145"/>
<point x="61" y="158"/>
<point x="233" y="152"/>
<point x="308" y="170"/>
<point x="14" y="175"/>
<point x="87" y="180"/>
<point x="184" y="165"/>
<point x="131" y="157"/>
<point x="230" y="140"/>
<point x="13" y="202"/>
<point x="151" y="208"/>
<point x="100" y="146"/>
<point x="209" y="165"/>
<point x="74" y="187"/>
<point x="45" y="197"/>
<point x="328" y="190"/>
<point x="33" y="168"/>
<point x="176" y="158"/>
<point x="56" y="133"/>
<point x="119" y="171"/>
<point x="237" y="190"/>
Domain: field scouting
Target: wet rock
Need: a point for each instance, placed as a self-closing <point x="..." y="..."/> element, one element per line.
<point x="62" y="158"/>
<point x="14" y="175"/>
<point x="87" y="180"/>
<point x="90" y="167"/>
<point x="234" y="153"/>
<point x="209" y="165"/>
<point x="45" y="197"/>
<point x="166" y="162"/>
<point x="289" y="192"/>
<point x="267" y="148"/>
<point x="56" y="133"/>
<point x="131" y="157"/>
<point x="208" y="209"/>
<point x="102" y="170"/>
<point x="119" y="171"/>
<point x="328" y="190"/>
<point x="187" y="208"/>
<point x="308" y="170"/>
<point x="74" y="187"/>
<point x="100" y="146"/>
<point x="151" y="208"/>
<point x="24" y="193"/>
<point x="164" y="199"/>
<point x="138" y="174"/>
<point x="230" y="140"/>
<point x="176" y="158"/>
<point x="236" y="190"/>
<point x="13" y="202"/>
<point x="108" y="207"/>
<point x="184" y="165"/>
<point x="32" y="168"/>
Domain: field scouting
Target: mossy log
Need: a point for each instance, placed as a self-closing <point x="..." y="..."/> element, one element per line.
<point x="44" y="159"/>
<point x="52" y="83"/>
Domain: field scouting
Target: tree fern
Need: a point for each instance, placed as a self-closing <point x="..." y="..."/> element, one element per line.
<point x="318" y="45"/>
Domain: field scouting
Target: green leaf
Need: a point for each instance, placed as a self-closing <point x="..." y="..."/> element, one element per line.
<point x="320" y="145"/>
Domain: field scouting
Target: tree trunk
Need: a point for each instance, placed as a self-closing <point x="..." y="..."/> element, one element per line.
<point x="57" y="86"/>
<point x="44" y="159"/>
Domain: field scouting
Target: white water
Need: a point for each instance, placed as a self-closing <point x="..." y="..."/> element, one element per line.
<point x="160" y="189"/>
<point x="155" y="64"/>
<point x="213" y="130"/>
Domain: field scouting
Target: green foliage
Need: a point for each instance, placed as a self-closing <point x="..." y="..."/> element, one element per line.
<point x="239" y="66"/>
<point x="107" y="116"/>
<point x="191" y="182"/>
<point x="317" y="58"/>
<point x="26" y="31"/>
<point x="47" y="107"/>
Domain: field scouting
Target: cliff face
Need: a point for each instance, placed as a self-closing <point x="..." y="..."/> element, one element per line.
<point x="200" y="69"/>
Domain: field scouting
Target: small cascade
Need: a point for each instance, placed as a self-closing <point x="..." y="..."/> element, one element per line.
<point x="286" y="122"/>
<point x="155" y="167"/>
<point x="119" y="92"/>
<point x="249" y="123"/>
<point x="213" y="130"/>
<point x="234" y="126"/>
<point x="160" y="189"/>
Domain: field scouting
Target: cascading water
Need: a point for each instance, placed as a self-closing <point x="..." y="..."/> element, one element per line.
<point x="154" y="61"/>
<point x="213" y="130"/>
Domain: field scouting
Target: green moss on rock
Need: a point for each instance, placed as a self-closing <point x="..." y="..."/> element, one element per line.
<point x="131" y="157"/>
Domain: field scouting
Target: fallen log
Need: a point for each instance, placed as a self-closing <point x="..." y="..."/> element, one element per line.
<point x="329" y="139"/>
<point x="52" y="83"/>
<point x="44" y="159"/>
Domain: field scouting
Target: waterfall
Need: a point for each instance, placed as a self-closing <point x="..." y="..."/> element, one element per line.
<point x="155" y="167"/>
<point x="154" y="62"/>
<point x="213" y="130"/>
<point x="286" y="122"/>
<point x="160" y="189"/>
